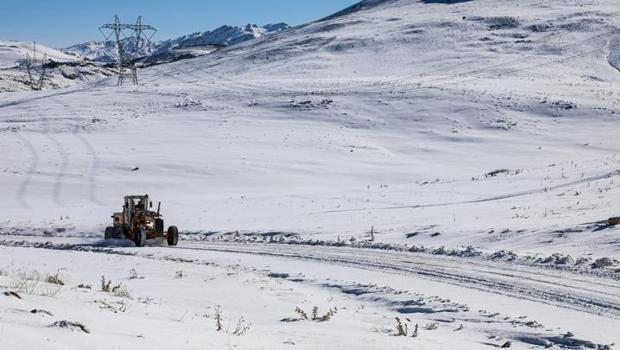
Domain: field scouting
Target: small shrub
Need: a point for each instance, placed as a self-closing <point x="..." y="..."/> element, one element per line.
<point x="218" y="319"/>
<point x="402" y="329"/>
<point x="242" y="327"/>
<point x="315" y="314"/>
<point x="118" y="290"/>
<point x="133" y="274"/>
<point x="55" y="279"/>
<point x="431" y="326"/>
<point x="301" y="313"/>
<point x="121" y="291"/>
<point x="34" y="283"/>
<point x="327" y="316"/>
<point x="105" y="285"/>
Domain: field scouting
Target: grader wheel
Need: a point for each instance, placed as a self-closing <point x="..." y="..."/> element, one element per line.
<point x="173" y="236"/>
<point x="109" y="233"/>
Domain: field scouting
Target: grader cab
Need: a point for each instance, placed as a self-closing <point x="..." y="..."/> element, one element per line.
<point x="138" y="222"/>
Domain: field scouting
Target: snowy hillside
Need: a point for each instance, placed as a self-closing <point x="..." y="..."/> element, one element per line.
<point x="61" y="70"/>
<point x="432" y="174"/>
<point x="12" y="52"/>
<point x="411" y="105"/>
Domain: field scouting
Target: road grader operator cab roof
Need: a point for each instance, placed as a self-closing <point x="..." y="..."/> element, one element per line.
<point x="138" y="202"/>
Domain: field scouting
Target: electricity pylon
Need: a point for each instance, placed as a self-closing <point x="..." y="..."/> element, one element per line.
<point x="129" y="39"/>
<point x="36" y="69"/>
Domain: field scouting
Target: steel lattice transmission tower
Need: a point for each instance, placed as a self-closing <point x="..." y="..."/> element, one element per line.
<point x="36" y="68"/>
<point x="129" y="39"/>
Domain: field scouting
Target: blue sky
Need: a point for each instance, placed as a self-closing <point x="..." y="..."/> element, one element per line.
<point x="60" y="23"/>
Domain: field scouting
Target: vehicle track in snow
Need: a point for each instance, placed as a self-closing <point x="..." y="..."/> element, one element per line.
<point x="564" y="289"/>
<point x="586" y="293"/>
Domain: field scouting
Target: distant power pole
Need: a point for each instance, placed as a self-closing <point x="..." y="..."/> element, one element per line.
<point x="129" y="39"/>
<point x="35" y="69"/>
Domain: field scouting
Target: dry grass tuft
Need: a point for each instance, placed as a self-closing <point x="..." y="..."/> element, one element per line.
<point x="118" y="290"/>
<point x="315" y="314"/>
<point x="402" y="328"/>
<point x="35" y="283"/>
<point x="242" y="327"/>
<point x="55" y="279"/>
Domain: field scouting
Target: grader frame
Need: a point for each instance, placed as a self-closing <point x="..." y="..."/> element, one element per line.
<point x="139" y="223"/>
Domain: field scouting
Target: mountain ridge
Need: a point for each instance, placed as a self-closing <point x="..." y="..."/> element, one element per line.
<point x="223" y="36"/>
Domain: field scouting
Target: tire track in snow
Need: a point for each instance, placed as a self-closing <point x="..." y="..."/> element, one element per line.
<point x="585" y="295"/>
<point x="95" y="164"/>
<point x="34" y="163"/>
<point x="483" y="200"/>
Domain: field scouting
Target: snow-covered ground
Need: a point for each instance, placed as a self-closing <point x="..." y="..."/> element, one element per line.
<point x="434" y="124"/>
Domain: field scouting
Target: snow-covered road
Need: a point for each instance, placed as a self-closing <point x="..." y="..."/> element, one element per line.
<point x="585" y="304"/>
<point x="585" y="293"/>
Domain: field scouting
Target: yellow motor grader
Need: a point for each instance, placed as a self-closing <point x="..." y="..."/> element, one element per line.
<point x="138" y="223"/>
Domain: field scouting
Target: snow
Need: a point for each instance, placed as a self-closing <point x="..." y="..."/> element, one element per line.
<point x="172" y="295"/>
<point x="12" y="52"/>
<point x="439" y="124"/>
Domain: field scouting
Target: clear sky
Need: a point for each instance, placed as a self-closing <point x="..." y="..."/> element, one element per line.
<point x="60" y="23"/>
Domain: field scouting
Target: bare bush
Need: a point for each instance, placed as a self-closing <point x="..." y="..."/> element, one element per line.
<point x="121" y="291"/>
<point x="35" y="283"/>
<point x="218" y="318"/>
<point x="242" y="327"/>
<point x="55" y="279"/>
<point x="431" y="326"/>
<point x="402" y="329"/>
<point x="301" y="313"/>
<point x="118" y="290"/>
<point x="133" y="274"/>
<point x="105" y="285"/>
<point x="315" y="314"/>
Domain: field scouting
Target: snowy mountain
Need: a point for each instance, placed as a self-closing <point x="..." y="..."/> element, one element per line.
<point x="106" y="52"/>
<point x="222" y="36"/>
